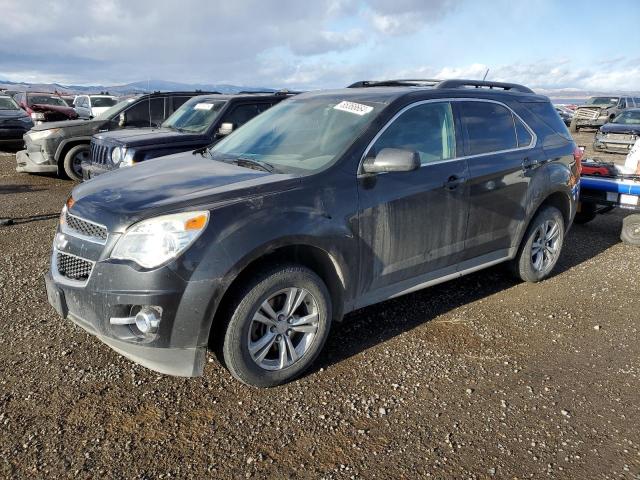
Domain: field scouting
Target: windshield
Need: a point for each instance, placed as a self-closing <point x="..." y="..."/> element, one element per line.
<point x="300" y="134"/>
<point x="103" y="101"/>
<point x="602" y="101"/>
<point x="46" y="100"/>
<point x="109" y="112"/>
<point x="7" y="103"/>
<point x="194" y="116"/>
<point x="628" y="117"/>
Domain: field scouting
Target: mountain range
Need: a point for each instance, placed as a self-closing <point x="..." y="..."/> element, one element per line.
<point x="566" y="94"/>
<point x="127" y="89"/>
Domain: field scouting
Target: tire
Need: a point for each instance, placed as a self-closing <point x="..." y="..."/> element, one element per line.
<point x="573" y="128"/>
<point x="630" y="234"/>
<point x="73" y="160"/>
<point x="586" y="214"/>
<point x="253" y="331"/>
<point x="548" y="223"/>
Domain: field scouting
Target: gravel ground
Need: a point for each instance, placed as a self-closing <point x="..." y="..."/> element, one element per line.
<point x="476" y="378"/>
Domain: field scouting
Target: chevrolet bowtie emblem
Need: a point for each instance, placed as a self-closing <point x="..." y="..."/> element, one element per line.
<point x="61" y="241"/>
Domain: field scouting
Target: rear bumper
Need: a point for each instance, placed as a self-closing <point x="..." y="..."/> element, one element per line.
<point x="35" y="162"/>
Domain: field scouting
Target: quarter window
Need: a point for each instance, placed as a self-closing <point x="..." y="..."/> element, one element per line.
<point x="427" y="129"/>
<point x="489" y="127"/>
<point x="523" y="134"/>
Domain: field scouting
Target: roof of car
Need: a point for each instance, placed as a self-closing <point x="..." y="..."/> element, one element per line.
<point x="230" y="96"/>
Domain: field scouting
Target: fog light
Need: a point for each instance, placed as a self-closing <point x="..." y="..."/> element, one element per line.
<point x="148" y="320"/>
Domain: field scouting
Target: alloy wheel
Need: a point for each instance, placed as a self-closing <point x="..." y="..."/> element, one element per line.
<point x="546" y="246"/>
<point x="283" y="328"/>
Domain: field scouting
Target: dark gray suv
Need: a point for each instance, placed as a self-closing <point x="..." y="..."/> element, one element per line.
<point x="328" y="202"/>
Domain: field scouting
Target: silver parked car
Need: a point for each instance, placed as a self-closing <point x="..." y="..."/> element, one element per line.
<point x="90" y="106"/>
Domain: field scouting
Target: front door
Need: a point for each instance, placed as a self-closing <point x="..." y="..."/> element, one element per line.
<point x="413" y="223"/>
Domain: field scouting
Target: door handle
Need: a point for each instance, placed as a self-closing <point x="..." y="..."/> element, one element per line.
<point x="453" y="181"/>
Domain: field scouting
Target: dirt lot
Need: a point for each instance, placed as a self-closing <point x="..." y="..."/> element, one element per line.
<point x="480" y="377"/>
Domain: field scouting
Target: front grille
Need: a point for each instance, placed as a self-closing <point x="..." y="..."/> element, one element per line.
<point x="72" y="267"/>
<point x="87" y="229"/>
<point x="588" y="113"/>
<point x="99" y="153"/>
<point x="621" y="136"/>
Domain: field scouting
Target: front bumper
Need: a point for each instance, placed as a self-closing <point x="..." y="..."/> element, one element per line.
<point x="113" y="290"/>
<point x="621" y="143"/>
<point x="35" y="162"/>
<point x="593" y="123"/>
<point x="91" y="170"/>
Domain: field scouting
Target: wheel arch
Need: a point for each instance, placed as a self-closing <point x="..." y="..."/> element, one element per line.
<point x="67" y="145"/>
<point x="317" y="259"/>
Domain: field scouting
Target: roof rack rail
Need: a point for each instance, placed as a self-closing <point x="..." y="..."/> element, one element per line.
<point x="456" y="83"/>
<point x="284" y="91"/>
<point x="408" y="82"/>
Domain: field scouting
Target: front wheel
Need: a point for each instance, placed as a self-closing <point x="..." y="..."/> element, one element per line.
<point x="573" y="127"/>
<point x="631" y="230"/>
<point x="541" y="246"/>
<point x="72" y="162"/>
<point x="278" y="326"/>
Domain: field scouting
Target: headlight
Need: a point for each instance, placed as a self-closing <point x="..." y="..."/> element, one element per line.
<point x="37" y="116"/>
<point x="127" y="161"/>
<point x="116" y="155"/>
<point x="42" y="134"/>
<point x="152" y="242"/>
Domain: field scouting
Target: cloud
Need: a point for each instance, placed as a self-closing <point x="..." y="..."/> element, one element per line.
<point x="402" y="17"/>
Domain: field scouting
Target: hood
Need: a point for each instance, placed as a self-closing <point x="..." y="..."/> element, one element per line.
<point x="620" y="128"/>
<point x="121" y="197"/>
<point x="13" y="115"/>
<point x="87" y="125"/>
<point x="67" y="111"/>
<point x="135" y="137"/>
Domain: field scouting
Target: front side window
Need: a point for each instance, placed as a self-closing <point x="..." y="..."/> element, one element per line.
<point x="302" y="134"/>
<point x="427" y="129"/>
<point x="195" y="116"/>
<point x="489" y="126"/>
<point x="242" y="114"/>
<point x="146" y="113"/>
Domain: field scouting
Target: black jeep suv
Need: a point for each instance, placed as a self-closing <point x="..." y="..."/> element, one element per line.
<point x="196" y="124"/>
<point x="60" y="147"/>
<point x="328" y="202"/>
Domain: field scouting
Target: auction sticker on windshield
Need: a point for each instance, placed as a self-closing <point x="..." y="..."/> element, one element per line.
<point x="203" y="106"/>
<point x="352" y="107"/>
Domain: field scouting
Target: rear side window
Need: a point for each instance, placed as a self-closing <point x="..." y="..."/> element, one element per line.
<point x="548" y="115"/>
<point x="179" y="101"/>
<point x="427" y="129"/>
<point x="489" y="127"/>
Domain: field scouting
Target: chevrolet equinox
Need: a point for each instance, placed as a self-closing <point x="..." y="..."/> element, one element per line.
<point x="328" y="202"/>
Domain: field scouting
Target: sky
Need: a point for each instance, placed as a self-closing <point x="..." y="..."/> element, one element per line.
<point x="545" y="44"/>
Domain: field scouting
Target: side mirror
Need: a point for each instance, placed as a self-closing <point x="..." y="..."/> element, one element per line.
<point x="225" y="129"/>
<point x="122" y="119"/>
<point x="392" y="160"/>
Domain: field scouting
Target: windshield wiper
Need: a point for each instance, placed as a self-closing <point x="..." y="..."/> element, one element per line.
<point x="249" y="163"/>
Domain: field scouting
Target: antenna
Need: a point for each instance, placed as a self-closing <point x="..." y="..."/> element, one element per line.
<point x="485" y="75"/>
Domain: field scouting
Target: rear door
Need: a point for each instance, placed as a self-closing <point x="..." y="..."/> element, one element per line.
<point x="498" y="146"/>
<point x="413" y="223"/>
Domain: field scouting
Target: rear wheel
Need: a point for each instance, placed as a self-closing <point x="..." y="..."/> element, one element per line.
<point x="72" y="162"/>
<point x="631" y="230"/>
<point x="278" y="326"/>
<point x="541" y="246"/>
<point x="586" y="214"/>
